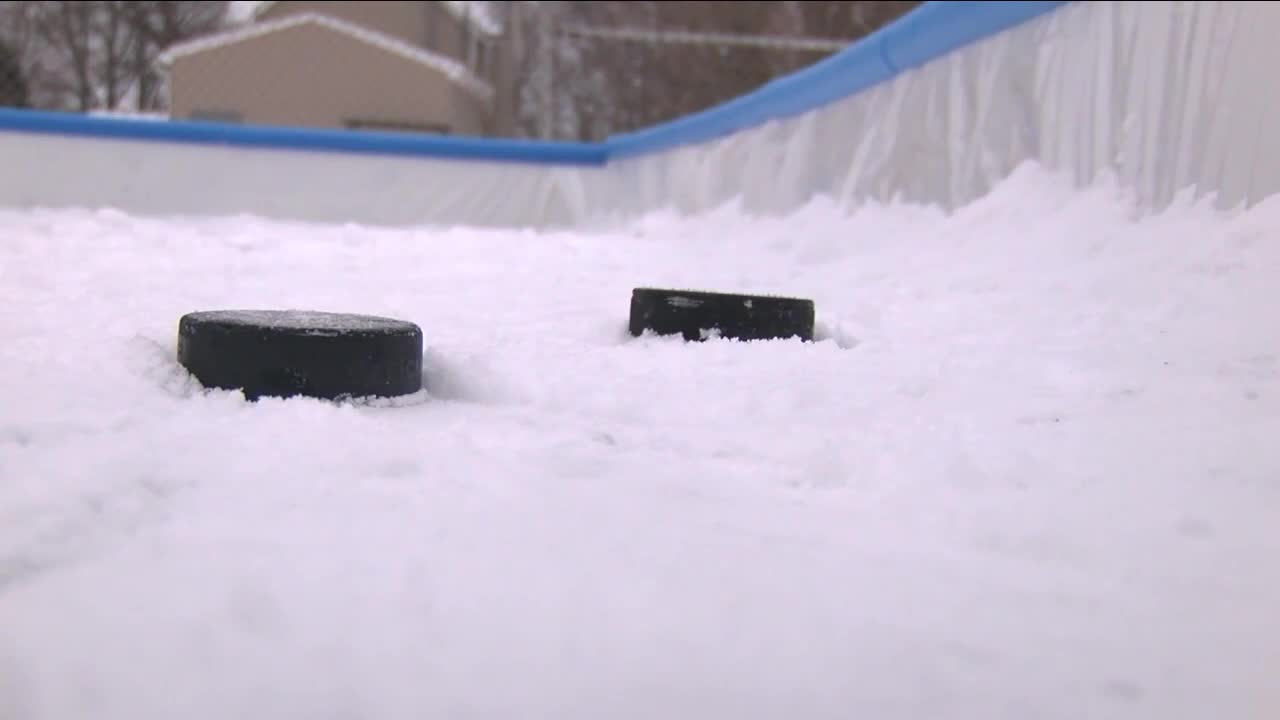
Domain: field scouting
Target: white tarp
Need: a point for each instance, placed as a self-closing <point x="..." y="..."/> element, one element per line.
<point x="1169" y="96"/>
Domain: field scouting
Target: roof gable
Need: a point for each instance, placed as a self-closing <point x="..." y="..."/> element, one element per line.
<point x="454" y="70"/>
<point x="464" y="10"/>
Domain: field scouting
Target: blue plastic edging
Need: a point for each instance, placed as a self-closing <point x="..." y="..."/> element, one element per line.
<point x="292" y="138"/>
<point x="930" y="31"/>
<point x="927" y="33"/>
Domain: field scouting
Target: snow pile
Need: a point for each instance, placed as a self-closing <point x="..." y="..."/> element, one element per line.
<point x="1030" y="470"/>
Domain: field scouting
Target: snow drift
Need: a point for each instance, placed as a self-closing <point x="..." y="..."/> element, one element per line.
<point x="1029" y="469"/>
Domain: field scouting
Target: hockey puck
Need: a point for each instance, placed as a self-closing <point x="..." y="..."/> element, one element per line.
<point x="286" y="353"/>
<point x="699" y="315"/>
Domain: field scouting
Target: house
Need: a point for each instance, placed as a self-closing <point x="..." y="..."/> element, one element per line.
<point x="434" y="67"/>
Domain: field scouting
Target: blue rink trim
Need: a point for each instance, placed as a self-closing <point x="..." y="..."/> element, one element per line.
<point x="929" y="32"/>
<point x="191" y="132"/>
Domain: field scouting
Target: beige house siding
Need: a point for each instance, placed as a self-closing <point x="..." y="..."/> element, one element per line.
<point x="472" y="112"/>
<point x="311" y="76"/>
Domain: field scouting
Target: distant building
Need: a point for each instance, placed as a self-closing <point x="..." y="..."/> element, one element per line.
<point x="434" y="67"/>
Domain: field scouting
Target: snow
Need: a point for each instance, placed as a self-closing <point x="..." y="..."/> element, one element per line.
<point x="1030" y="469"/>
<point x="479" y="14"/>
<point x="130" y="115"/>
<point x="242" y="11"/>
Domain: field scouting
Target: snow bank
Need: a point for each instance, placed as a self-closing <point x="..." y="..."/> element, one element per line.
<point x="1029" y="471"/>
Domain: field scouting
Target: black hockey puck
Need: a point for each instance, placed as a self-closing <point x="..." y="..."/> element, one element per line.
<point x="699" y="315"/>
<point x="285" y="353"/>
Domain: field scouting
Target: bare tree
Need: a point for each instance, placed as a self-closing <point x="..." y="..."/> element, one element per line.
<point x="159" y="24"/>
<point x="581" y="83"/>
<point x="13" y="84"/>
<point x="93" y="54"/>
<point x="17" y="28"/>
<point x="65" y="27"/>
<point x="114" y="44"/>
<point x="850" y="19"/>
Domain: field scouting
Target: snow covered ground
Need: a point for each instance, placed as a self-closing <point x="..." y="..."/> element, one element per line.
<point x="1030" y="470"/>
